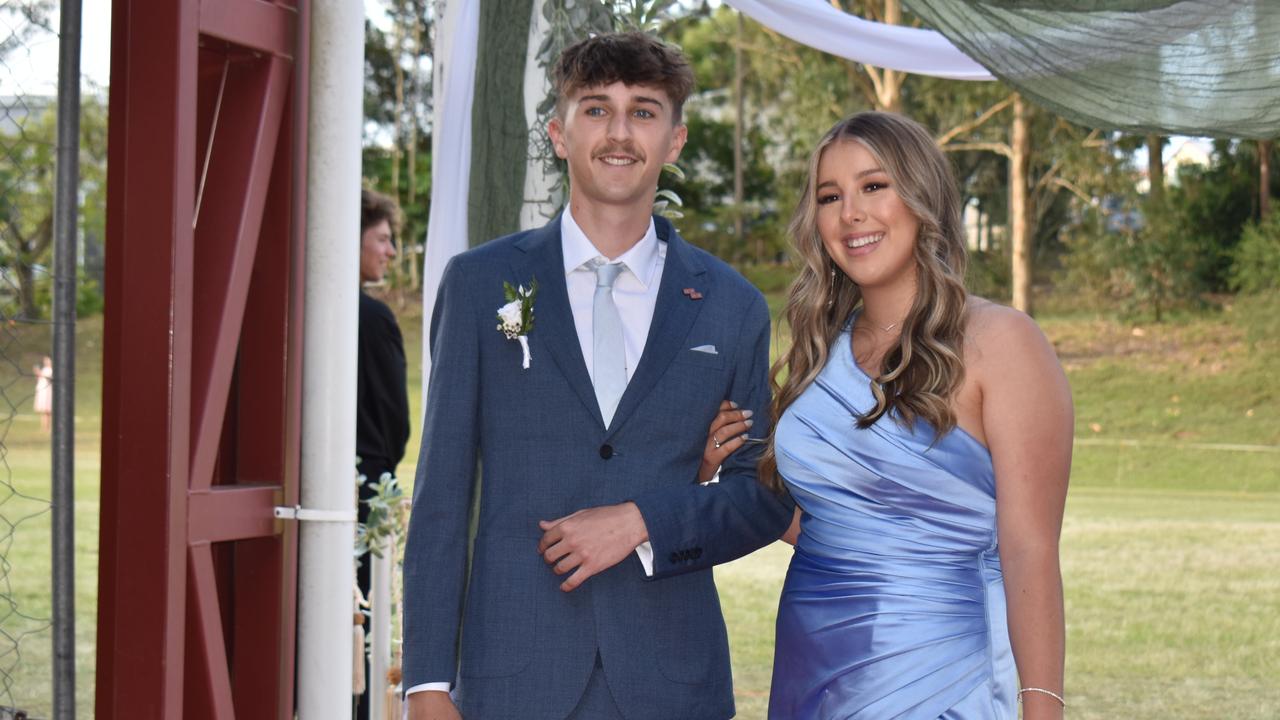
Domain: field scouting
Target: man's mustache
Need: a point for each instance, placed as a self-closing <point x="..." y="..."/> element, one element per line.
<point x="619" y="149"/>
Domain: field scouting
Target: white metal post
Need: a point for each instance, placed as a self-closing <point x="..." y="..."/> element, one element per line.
<point x="326" y="574"/>
<point x="381" y="569"/>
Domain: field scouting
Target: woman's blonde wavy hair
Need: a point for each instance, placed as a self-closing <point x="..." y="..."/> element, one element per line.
<point x="919" y="376"/>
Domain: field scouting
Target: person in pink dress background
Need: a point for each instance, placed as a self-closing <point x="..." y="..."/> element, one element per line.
<point x="44" y="391"/>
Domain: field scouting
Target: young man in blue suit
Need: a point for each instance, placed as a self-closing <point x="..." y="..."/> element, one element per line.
<point x="589" y="592"/>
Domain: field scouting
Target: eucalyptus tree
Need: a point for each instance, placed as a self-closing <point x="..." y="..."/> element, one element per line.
<point x="397" y="111"/>
<point x="26" y="196"/>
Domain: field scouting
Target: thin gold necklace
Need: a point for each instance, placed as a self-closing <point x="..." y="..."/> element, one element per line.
<point x="884" y="328"/>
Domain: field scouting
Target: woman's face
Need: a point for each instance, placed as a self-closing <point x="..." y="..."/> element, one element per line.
<point x="866" y="228"/>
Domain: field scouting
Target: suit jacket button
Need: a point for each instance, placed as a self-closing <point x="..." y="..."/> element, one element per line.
<point x="606" y="451"/>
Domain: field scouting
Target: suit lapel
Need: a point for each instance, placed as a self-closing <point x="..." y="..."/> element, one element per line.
<point x="673" y="317"/>
<point x="542" y="257"/>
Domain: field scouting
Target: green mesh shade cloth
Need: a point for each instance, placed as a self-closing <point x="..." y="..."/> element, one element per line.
<point x="1188" y="67"/>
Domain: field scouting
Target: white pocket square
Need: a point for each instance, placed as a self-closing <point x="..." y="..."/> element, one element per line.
<point x="708" y="349"/>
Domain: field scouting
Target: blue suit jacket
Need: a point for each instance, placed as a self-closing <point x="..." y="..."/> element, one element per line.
<point x="498" y="625"/>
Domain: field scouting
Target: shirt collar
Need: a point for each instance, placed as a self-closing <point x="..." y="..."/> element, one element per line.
<point x="578" y="250"/>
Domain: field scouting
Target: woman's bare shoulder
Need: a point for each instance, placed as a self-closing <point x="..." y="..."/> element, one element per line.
<point x="997" y="335"/>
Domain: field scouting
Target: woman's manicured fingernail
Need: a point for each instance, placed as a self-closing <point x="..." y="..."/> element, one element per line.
<point x="747" y="413"/>
<point x="750" y="423"/>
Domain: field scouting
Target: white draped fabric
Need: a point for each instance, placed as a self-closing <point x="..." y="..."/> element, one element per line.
<point x="457" y="33"/>
<point x="811" y="22"/>
<point x="819" y="25"/>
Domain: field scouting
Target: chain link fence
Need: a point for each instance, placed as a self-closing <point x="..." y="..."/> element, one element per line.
<point x="28" y="150"/>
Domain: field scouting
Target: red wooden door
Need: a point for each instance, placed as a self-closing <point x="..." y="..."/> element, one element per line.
<point x="201" y="358"/>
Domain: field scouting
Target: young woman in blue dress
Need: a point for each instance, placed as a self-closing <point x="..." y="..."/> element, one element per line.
<point x="925" y="434"/>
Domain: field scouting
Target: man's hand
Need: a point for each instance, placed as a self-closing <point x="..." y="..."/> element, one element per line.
<point x="591" y="541"/>
<point x="432" y="705"/>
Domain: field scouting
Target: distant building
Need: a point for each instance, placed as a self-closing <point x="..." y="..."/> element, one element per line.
<point x="1191" y="151"/>
<point x="16" y="109"/>
<point x="979" y="234"/>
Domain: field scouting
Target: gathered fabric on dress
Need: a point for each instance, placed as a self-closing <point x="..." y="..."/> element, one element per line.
<point x="894" y="604"/>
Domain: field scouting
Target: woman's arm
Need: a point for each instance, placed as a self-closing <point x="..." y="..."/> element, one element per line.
<point x="1028" y="420"/>
<point x="793" y="532"/>
<point x="732" y="423"/>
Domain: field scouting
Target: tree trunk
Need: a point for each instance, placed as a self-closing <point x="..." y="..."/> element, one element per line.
<point x="891" y="90"/>
<point x="27" y="289"/>
<point x="1155" y="169"/>
<point x="27" y="253"/>
<point x="1019" y="202"/>
<point x="1264" y="178"/>
<point x="415" y="87"/>
<point x="738" y="120"/>
<point x="397" y="54"/>
<point x="882" y="88"/>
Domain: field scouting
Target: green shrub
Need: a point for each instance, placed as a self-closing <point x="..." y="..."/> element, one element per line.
<point x="1088" y="271"/>
<point x="1259" y="316"/>
<point x="989" y="275"/>
<point x="770" y="278"/>
<point x="1255" y="263"/>
<point x="88" y="298"/>
<point x="1142" y="272"/>
<point x="1164" y="266"/>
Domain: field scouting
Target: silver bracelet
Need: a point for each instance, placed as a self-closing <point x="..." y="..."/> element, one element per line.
<point x="1050" y="693"/>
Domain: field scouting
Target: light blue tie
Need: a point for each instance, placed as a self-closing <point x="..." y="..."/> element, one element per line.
<point x="609" y="358"/>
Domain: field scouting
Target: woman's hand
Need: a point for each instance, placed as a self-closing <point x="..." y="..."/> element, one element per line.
<point x="727" y="433"/>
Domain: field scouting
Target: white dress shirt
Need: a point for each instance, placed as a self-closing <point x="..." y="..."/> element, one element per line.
<point x="635" y="292"/>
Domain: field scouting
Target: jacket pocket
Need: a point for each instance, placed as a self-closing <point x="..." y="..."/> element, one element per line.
<point x="700" y="358"/>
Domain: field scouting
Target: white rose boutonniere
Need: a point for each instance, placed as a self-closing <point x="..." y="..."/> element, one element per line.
<point x="515" y="319"/>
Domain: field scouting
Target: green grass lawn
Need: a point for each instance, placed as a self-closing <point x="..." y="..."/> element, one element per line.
<point x="25" y="572"/>
<point x="1169" y="544"/>
<point x="1172" y="599"/>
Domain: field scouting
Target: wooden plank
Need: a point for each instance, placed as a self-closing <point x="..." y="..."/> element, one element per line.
<point x="254" y="24"/>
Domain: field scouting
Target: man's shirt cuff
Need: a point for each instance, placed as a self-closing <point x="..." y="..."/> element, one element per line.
<point x="437" y="686"/>
<point x="644" y="551"/>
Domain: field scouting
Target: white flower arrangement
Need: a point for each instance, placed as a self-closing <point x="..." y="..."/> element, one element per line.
<point x="515" y="319"/>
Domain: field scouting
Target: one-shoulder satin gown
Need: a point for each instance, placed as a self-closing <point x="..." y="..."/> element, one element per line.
<point x="894" y="604"/>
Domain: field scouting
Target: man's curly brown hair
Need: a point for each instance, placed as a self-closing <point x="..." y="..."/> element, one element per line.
<point x="632" y="58"/>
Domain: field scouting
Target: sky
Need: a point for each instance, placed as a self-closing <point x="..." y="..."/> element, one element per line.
<point x="34" y="71"/>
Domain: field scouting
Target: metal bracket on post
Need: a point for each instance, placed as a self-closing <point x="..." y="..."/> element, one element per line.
<point x="297" y="512"/>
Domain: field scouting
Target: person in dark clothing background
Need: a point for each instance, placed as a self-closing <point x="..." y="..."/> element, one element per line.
<point x="382" y="398"/>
